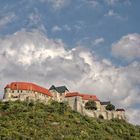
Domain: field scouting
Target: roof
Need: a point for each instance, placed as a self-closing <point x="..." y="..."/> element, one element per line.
<point x="120" y="109"/>
<point x="28" y="86"/>
<point x="60" y="89"/>
<point x="105" y="103"/>
<point x="84" y="96"/>
<point x="72" y="94"/>
<point x="89" y="97"/>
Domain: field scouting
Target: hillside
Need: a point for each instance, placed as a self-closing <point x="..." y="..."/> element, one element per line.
<point x="56" y="121"/>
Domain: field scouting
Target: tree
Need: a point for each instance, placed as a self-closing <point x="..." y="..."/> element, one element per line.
<point x="90" y="105"/>
<point x="110" y="107"/>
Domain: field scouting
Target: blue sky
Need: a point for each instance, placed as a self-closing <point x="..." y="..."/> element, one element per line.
<point x="74" y="42"/>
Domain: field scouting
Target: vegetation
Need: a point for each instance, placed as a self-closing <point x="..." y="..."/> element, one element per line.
<point x="110" y="107"/>
<point x="90" y="105"/>
<point x="56" y="121"/>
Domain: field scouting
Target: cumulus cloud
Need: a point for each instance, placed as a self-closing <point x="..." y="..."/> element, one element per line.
<point x="135" y="115"/>
<point x="32" y="56"/>
<point x="127" y="47"/>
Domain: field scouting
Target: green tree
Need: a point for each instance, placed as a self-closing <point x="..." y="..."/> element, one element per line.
<point x="110" y="107"/>
<point x="90" y="105"/>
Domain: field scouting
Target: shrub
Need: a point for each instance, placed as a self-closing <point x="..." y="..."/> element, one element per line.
<point x="90" y="105"/>
<point x="110" y="107"/>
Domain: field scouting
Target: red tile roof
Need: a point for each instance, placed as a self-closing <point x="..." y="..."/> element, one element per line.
<point x="71" y="94"/>
<point x="89" y="97"/>
<point x="28" y="86"/>
<point x="84" y="96"/>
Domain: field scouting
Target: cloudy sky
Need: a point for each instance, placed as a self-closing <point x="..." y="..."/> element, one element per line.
<point x="91" y="46"/>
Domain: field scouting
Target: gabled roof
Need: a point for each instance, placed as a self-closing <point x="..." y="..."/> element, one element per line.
<point x="105" y="103"/>
<point x="60" y="89"/>
<point x="28" y="86"/>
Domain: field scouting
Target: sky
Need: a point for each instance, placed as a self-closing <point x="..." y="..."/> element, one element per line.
<point x="91" y="46"/>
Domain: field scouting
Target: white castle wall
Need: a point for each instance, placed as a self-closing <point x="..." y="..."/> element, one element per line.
<point x="22" y="95"/>
<point x="107" y="115"/>
<point x="76" y="103"/>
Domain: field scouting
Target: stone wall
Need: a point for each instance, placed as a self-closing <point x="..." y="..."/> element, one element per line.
<point x="107" y="115"/>
<point x="77" y="104"/>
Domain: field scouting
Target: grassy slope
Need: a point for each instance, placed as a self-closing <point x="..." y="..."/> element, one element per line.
<point x="23" y="120"/>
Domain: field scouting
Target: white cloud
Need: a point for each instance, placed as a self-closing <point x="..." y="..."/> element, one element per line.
<point x="135" y="115"/>
<point x="6" y="19"/>
<point x="56" y="28"/>
<point x="32" y="56"/>
<point x="98" y="41"/>
<point x="127" y="47"/>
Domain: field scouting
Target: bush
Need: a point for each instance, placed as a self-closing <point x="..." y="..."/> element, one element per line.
<point x="90" y="105"/>
<point x="110" y="107"/>
<point x="41" y="122"/>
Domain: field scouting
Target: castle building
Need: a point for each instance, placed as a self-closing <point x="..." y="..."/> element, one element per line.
<point x="29" y="91"/>
<point x="26" y="91"/>
<point x="58" y="92"/>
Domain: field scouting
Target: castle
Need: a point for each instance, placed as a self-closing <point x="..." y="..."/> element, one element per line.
<point x="29" y="91"/>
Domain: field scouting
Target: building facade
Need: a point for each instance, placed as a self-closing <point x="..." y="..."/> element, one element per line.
<point x="26" y="91"/>
<point x="29" y="91"/>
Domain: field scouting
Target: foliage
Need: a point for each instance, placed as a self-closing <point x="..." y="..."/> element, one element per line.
<point x="110" y="107"/>
<point x="90" y="105"/>
<point x="56" y="121"/>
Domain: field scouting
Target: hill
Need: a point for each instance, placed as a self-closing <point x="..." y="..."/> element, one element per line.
<point x="56" y="121"/>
